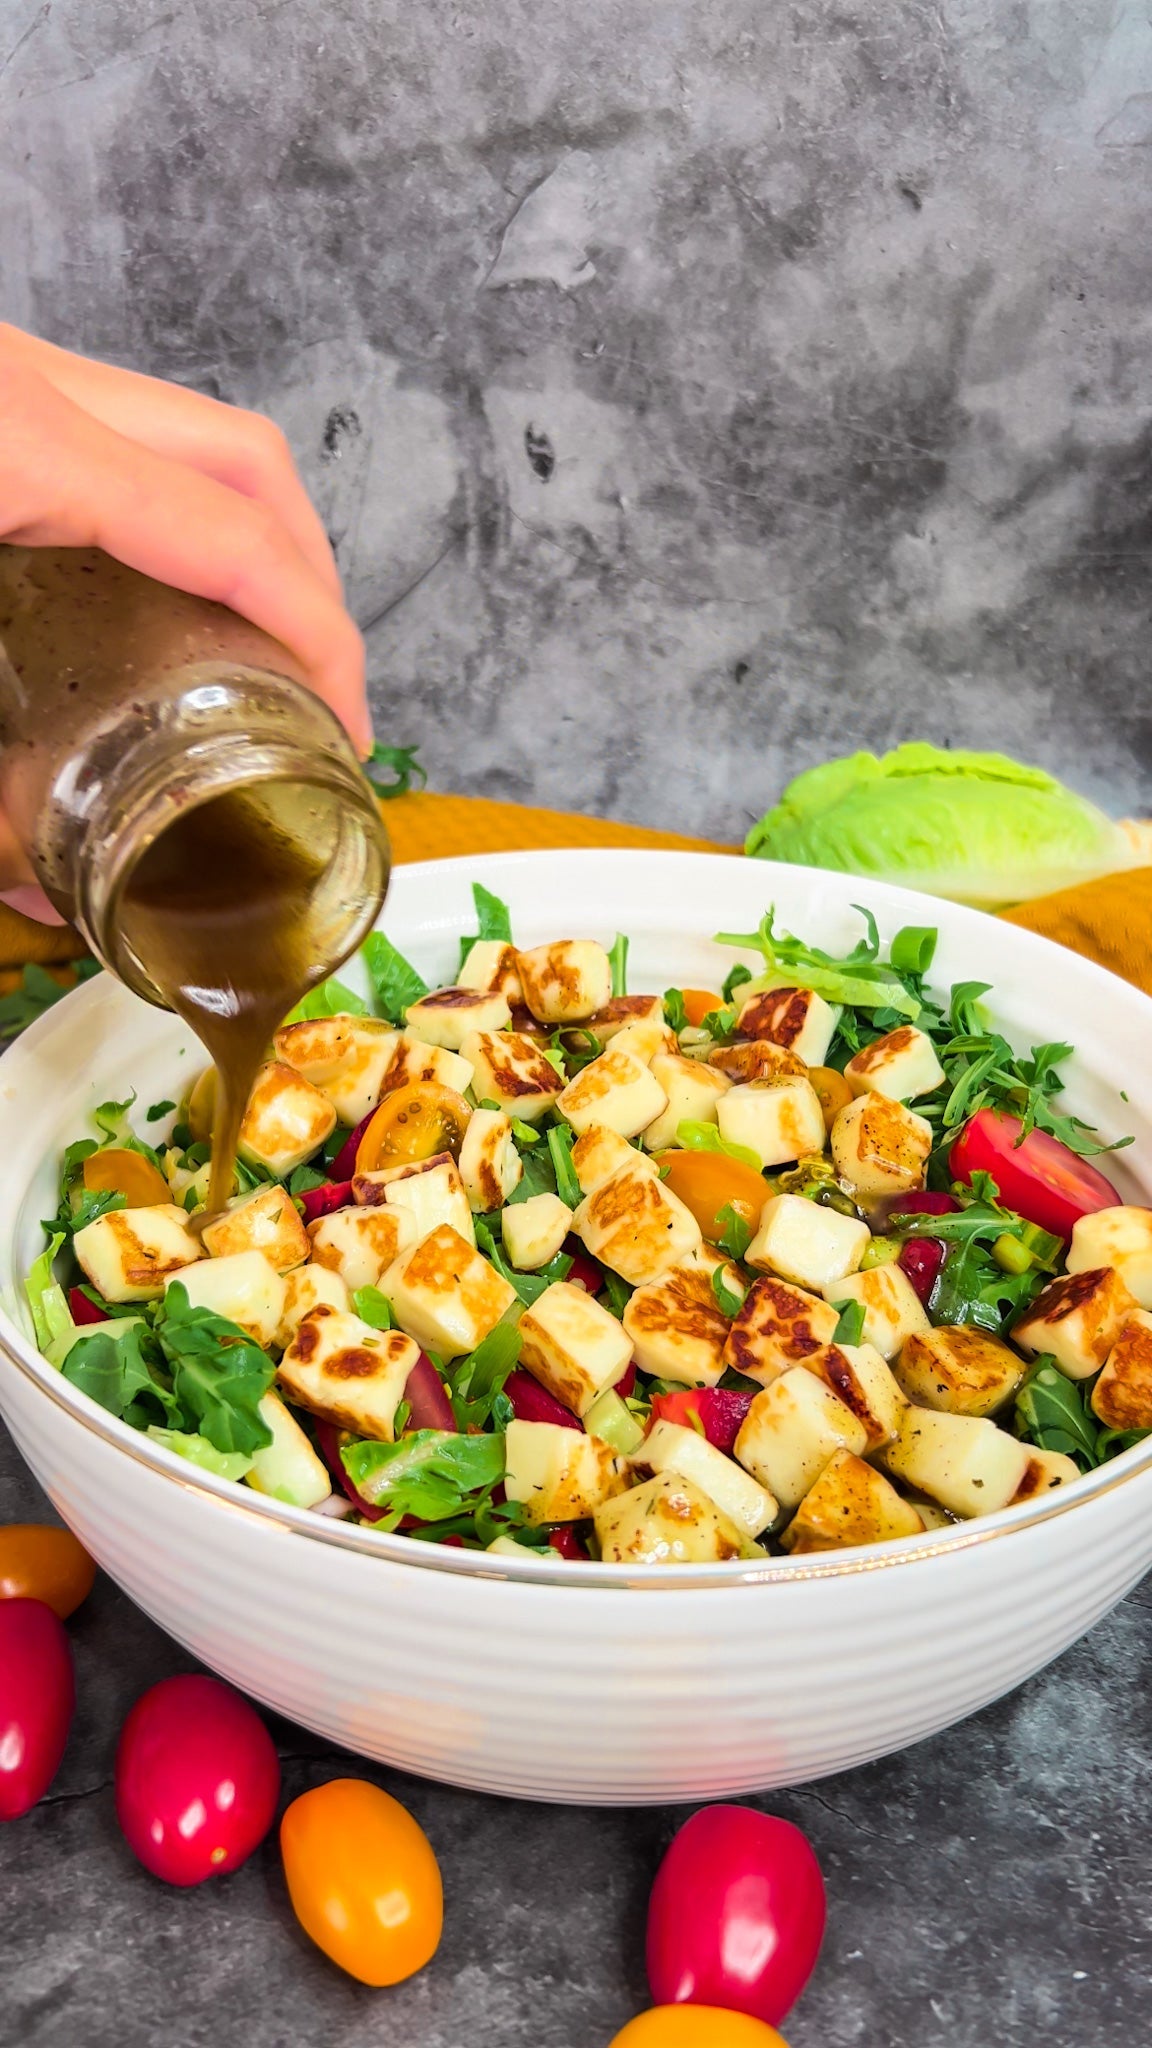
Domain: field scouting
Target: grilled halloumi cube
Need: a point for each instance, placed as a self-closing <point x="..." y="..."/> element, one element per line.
<point x="1122" y="1396"/>
<point x="431" y="1191"/>
<point x="556" y="1474"/>
<point x="360" y="1243"/>
<point x="348" y="1373"/>
<point x="644" y="1037"/>
<point x="599" y="1153"/>
<point x="566" y="982"/>
<point x="850" y="1504"/>
<point x="677" y="1326"/>
<point x="573" y="1346"/>
<point x="615" y="1091"/>
<point x="490" y="964"/>
<point x="1077" y="1319"/>
<point x="1046" y="1469"/>
<point x="346" y="1058"/>
<point x="490" y="1165"/>
<point x="1120" y="1236"/>
<point x="692" y="1090"/>
<point x="901" y="1065"/>
<point x="755" y="1059"/>
<point x="412" y="1060"/>
<point x="286" y="1120"/>
<point x="668" y="1447"/>
<point x="265" y="1221"/>
<point x="796" y="1018"/>
<point x="862" y="1380"/>
<point x="880" y="1147"/>
<point x="511" y="1071"/>
<point x="534" y="1231"/>
<point x="305" y="1288"/>
<point x="128" y="1254"/>
<point x="244" y="1287"/>
<point x="962" y="1461"/>
<point x="802" y="1241"/>
<point x="959" y="1369"/>
<point x="893" y="1311"/>
<point x="446" y="1015"/>
<point x="622" y="1012"/>
<point x="288" y="1468"/>
<point x="633" y="1224"/>
<point x="779" y="1118"/>
<point x="667" y="1520"/>
<point x="778" y="1327"/>
<point x="792" y="1430"/>
<point x="444" y="1294"/>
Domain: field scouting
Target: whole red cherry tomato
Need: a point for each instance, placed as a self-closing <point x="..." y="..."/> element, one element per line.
<point x="37" y="1695"/>
<point x="197" y="1780"/>
<point x="40" y="1562"/>
<point x="737" y="1914"/>
<point x="1040" y="1179"/>
<point x="363" y="1880"/>
<point x="696" y="2026"/>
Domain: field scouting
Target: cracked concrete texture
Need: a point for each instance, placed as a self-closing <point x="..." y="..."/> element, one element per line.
<point x="833" y="324"/>
<point x="991" y="1885"/>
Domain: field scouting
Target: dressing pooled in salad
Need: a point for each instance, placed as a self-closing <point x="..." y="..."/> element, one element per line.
<point x="533" y="1262"/>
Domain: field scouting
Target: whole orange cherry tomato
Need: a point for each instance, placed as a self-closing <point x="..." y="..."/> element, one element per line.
<point x="38" y="1562"/>
<point x="698" y="1002"/>
<point x="696" y="2026"/>
<point x="413" y="1123"/>
<point x="833" y="1091"/>
<point x="363" y="1880"/>
<point x="119" y="1170"/>
<point x="707" y="1182"/>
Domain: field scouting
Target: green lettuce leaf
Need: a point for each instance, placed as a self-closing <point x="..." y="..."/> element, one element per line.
<point x="198" y="1451"/>
<point x="51" y="1316"/>
<point x="431" y="1474"/>
<point x="395" y="982"/>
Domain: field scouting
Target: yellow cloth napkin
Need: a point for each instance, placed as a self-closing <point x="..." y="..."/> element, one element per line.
<point x="1109" y="920"/>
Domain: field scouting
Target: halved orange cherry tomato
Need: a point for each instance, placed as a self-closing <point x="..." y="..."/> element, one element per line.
<point x="363" y="1880"/>
<point x="120" y="1171"/>
<point x="413" y="1123"/>
<point x="696" y="2026"/>
<point x="40" y="1562"/>
<point x="698" y="1002"/>
<point x="707" y="1182"/>
<point x="833" y="1090"/>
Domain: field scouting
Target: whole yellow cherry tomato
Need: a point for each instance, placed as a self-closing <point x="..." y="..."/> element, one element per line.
<point x="363" y="1880"/>
<point x="696" y="2026"/>
<point x="39" y="1562"/>
<point x="708" y="1182"/>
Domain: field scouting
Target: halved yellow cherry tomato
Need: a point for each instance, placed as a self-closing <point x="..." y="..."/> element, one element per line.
<point x="200" y="1107"/>
<point x="833" y="1090"/>
<point x="118" y="1170"/>
<point x="40" y="1562"/>
<point x="707" y="1182"/>
<point x="363" y="1880"/>
<point x="413" y="1123"/>
<point x="698" y="1002"/>
<point x="696" y="2026"/>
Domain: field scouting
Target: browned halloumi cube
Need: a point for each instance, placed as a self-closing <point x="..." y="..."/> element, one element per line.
<point x="265" y="1221"/>
<point x="792" y="1430"/>
<point x="779" y="1326"/>
<point x="243" y="1288"/>
<point x="796" y="1018"/>
<point x="633" y="1224"/>
<point x="1122" y="1396"/>
<point x="901" y="1065"/>
<point x="346" y="1058"/>
<point x="490" y="1166"/>
<point x="1119" y="1236"/>
<point x="672" y="1447"/>
<point x="692" y="1090"/>
<point x="964" y="1462"/>
<point x="491" y="965"/>
<point x="1077" y="1319"/>
<point x="413" y="1060"/>
<point x="445" y="1016"/>
<point x="558" y="1475"/>
<point x="755" y="1059"/>
<point x="360" y="1243"/>
<point x="599" y="1153"/>
<point x="566" y="982"/>
<point x="1045" y="1470"/>
<point x="850" y="1504"/>
<point x="512" y="1071"/>
<point x="861" y="1379"/>
<point x="286" y="1120"/>
<point x="960" y="1369"/>
<point x="893" y="1311"/>
<point x="667" y="1520"/>
<point x="305" y="1288"/>
<point x="620" y="1011"/>
<point x="348" y="1373"/>
<point x="677" y="1326"/>
<point x="615" y="1091"/>
<point x="431" y="1191"/>
<point x="128" y="1254"/>
<point x="444" y="1294"/>
<point x="880" y="1147"/>
<point x="573" y="1346"/>
<point x="779" y="1118"/>
<point x="805" y="1242"/>
<point x="534" y="1231"/>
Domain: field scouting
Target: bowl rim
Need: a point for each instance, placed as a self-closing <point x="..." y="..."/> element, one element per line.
<point x="535" y="1569"/>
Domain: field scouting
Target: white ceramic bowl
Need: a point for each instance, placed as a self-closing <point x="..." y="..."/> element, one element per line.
<point x="582" y="1682"/>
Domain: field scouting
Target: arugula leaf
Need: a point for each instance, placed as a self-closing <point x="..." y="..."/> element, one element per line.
<point x="373" y="1307"/>
<point x="561" y="1139"/>
<point x="493" y="918"/>
<point x="736" y="1235"/>
<point x="158" y="1109"/>
<point x="576" y="1046"/>
<point x="400" y="762"/>
<point x="859" y="979"/>
<point x="720" y="1024"/>
<point x="734" y="979"/>
<point x="478" y="1380"/>
<point x="330" y="998"/>
<point x="111" y="1120"/>
<point x="529" y="1286"/>
<point x="850" y="1328"/>
<point x="51" y="1316"/>
<point x="972" y="1288"/>
<point x="37" y="992"/>
<point x="618" y="956"/>
<point x="220" y="1375"/>
<point x="394" y="980"/>
<point x="617" y="1293"/>
<point x="303" y="1179"/>
<point x="1053" y="1413"/>
<point x="431" y="1473"/>
<point x="538" y="1177"/>
<point x="728" y="1303"/>
<point x="524" y="1134"/>
<point x="119" y="1368"/>
<point x="1111" y="1442"/>
<point x="698" y="1137"/>
<point x="83" y="1205"/>
<point x="198" y="1451"/>
<point x="675" y="1011"/>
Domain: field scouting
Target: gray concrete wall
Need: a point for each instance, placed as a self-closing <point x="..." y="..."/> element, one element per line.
<point x="692" y="388"/>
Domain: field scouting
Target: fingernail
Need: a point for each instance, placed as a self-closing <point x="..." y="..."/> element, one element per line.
<point x="31" y="902"/>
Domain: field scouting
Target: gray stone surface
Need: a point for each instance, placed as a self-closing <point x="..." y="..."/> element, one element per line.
<point x="687" y="386"/>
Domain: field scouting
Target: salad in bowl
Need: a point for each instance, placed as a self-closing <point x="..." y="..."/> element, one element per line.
<point x="539" y="1261"/>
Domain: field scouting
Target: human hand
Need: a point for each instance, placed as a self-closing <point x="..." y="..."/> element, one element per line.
<point x="198" y="494"/>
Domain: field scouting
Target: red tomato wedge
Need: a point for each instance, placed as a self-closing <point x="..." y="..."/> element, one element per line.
<point x="1040" y="1179"/>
